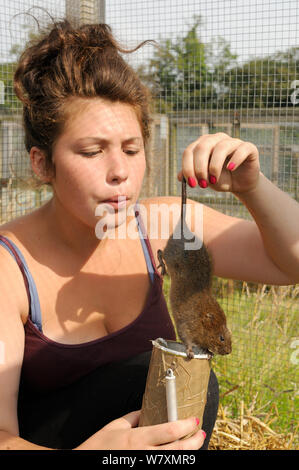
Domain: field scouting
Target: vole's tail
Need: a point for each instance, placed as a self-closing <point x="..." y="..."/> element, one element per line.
<point x="183" y="206"/>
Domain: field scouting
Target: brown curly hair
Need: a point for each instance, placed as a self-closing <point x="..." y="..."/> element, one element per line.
<point x="66" y="62"/>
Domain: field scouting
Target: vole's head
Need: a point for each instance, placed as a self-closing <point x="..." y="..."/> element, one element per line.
<point x="213" y="326"/>
<point x="220" y="341"/>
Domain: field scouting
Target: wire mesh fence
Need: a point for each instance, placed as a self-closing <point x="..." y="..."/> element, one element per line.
<point x="229" y="66"/>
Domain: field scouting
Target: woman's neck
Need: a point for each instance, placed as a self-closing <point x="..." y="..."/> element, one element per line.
<point x="71" y="232"/>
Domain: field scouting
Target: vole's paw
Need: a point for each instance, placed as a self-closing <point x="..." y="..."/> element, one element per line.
<point x="190" y="352"/>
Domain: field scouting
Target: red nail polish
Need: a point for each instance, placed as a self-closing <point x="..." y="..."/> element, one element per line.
<point x="231" y="166"/>
<point x="203" y="183"/>
<point x="191" y="182"/>
<point x="197" y="421"/>
<point x="212" y="179"/>
<point x="204" y="434"/>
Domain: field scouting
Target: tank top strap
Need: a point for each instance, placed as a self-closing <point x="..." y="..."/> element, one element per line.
<point x="146" y="246"/>
<point x="35" y="311"/>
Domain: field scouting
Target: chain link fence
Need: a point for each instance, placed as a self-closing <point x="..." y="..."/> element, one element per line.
<point x="228" y="66"/>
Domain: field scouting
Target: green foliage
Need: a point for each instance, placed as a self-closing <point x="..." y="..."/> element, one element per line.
<point x="7" y="69"/>
<point x="177" y="74"/>
<point x="263" y="82"/>
<point x="6" y="76"/>
<point x="189" y="74"/>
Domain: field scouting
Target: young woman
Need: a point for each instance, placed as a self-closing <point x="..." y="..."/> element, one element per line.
<point x="78" y="311"/>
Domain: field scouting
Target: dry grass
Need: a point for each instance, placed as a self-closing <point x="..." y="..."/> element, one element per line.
<point x="248" y="432"/>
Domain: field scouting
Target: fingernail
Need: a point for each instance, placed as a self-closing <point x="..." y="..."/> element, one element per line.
<point x="231" y="166"/>
<point x="191" y="182"/>
<point x="204" y="434"/>
<point x="212" y="179"/>
<point x="203" y="183"/>
<point x="197" y="421"/>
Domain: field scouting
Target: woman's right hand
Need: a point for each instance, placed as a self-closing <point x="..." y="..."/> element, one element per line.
<point x="123" y="434"/>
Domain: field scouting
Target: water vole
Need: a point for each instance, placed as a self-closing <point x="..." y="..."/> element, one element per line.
<point x="199" y="319"/>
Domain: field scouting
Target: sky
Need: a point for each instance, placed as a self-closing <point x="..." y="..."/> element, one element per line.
<point x="252" y="27"/>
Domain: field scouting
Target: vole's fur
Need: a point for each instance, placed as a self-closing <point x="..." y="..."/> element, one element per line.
<point x="199" y="319"/>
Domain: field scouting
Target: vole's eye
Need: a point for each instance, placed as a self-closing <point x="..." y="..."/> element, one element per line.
<point x="221" y="338"/>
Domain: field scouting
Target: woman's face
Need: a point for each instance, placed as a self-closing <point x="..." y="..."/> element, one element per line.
<point x="99" y="156"/>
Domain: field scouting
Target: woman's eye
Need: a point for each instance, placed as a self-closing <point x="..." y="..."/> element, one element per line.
<point x="91" y="154"/>
<point x="131" y="151"/>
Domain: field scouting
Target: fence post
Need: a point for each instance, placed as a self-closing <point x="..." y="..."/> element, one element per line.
<point x="85" y="11"/>
<point x="172" y="158"/>
<point x="275" y="160"/>
<point x="296" y="155"/>
<point x="236" y="125"/>
<point x="101" y="10"/>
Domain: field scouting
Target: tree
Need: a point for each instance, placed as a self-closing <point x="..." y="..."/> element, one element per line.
<point x="263" y="82"/>
<point x="7" y="69"/>
<point x="187" y="75"/>
<point x="11" y="102"/>
<point x="181" y="73"/>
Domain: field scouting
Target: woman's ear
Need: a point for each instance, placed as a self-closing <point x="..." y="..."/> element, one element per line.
<point x="38" y="164"/>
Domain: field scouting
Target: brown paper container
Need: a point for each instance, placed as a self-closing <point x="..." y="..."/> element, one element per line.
<point x="192" y="378"/>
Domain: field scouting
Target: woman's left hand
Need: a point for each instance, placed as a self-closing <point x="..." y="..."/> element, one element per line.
<point x="221" y="162"/>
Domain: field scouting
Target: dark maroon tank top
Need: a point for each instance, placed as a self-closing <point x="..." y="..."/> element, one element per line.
<point x="49" y="365"/>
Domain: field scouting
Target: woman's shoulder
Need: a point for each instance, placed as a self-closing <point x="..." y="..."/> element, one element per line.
<point x="159" y="199"/>
<point x="156" y="209"/>
<point x="17" y="228"/>
<point x="173" y="202"/>
<point x="169" y="207"/>
<point x="163" y="204"/>
<point x="14" y="228"/>
<point x="10" y="272"/>
<point x="162" y="214"/>
<point x="26" y="232"/>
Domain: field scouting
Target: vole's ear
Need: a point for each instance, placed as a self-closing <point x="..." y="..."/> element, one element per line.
<point x="209" y="317"/>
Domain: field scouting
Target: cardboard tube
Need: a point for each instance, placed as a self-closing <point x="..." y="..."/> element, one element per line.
<point x="191" y="376"/>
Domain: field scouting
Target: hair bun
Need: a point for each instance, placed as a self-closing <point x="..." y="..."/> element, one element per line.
<point x="64" y="35"/>
<point x="98" y="35"/>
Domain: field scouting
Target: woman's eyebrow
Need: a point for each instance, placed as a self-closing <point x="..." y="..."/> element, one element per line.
<point x="136" y="139"/>
<point x="101" y="139"/>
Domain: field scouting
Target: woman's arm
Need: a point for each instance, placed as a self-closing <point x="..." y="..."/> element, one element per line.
<point x="277" y="217"/>
<point x="123" y="434"/>
<point x="13" y="303"/>
<point x="238" y="249"/>
<point x="12" y="442"/>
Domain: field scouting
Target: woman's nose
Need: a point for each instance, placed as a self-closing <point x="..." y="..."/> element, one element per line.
<point x="117" y="167"/>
